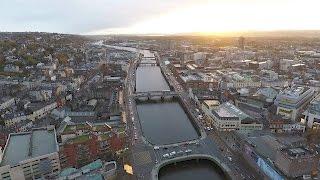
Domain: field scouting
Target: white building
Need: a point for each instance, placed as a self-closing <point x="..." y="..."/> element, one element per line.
<point x="285" y="64"/>
<point x="227" y="117"/>
<point x="292" y="100"/>
<point x="223" y="117"/>
<point x="30" y="155"/>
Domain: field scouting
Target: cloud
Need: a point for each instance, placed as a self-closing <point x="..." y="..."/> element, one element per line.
<point x="81" y="16"/>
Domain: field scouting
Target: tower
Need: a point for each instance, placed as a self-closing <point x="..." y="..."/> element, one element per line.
<point x="241" y="42"/>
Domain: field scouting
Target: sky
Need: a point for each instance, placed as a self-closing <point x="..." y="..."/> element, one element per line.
<point x="157" y="16"/>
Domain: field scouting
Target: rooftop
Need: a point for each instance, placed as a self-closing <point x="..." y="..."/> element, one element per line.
<point x="229" y="110"/>
<point x="294" y="91"/>
<point x="27" y="145"/>
<point x="266" y="145"/>
<point x="211" y="103"/>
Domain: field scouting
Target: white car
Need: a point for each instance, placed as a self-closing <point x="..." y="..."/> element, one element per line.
<point x="188" y="151"/>
<point x="165" y="155"/>
<point x="156" y="148"/>
<point x="172" y="153"/>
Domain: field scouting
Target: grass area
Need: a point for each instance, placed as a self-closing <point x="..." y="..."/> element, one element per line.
<point x="99" y="127"/>
<point x="80" y="139"/>
<point x="121" y="129"/>
<point x="71" y="128"/>
<point x="104" y="136"/>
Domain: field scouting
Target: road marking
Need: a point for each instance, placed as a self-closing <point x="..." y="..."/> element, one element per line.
<point x="142" y="158"/>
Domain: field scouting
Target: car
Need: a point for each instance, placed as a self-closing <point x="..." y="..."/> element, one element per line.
<point x="230" y="158"/>
<point x="188" y="151"/>
<point x="156" y="148"/>
<point x="165" y="155"/>
<point x="172" y="153"/>
<point x="180" y="152"/>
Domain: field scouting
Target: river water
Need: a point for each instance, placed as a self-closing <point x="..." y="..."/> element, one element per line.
<point x="150" y="78"/>
<point x="192" y="170"/>
<point x="165" y="123"/>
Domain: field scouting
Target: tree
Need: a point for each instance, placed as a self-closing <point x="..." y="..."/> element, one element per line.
<point x="62" y="58"/>
<point x="30" y="60"/>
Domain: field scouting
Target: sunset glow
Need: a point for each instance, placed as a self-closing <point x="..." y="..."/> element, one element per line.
<point x="231" y="15"/>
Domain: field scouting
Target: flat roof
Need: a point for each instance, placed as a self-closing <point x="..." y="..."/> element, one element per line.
<point x="229" y="110"/>
<point x="266" y="145"/>
<point x="23" y="146"/>
<point x="212" y="102"/>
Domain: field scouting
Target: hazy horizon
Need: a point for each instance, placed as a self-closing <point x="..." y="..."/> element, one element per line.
<point x="164" y="17"/>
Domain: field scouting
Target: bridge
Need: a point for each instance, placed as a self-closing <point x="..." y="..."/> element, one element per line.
<point x="149" y="62"/>
<point x="227" y="174"/>
<point x="155" y="95"/>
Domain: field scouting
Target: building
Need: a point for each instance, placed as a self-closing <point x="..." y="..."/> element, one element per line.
<point x="227" y="117"/>
<point x="223" y="117"/>
<point x="248" y="125"/>
<point x="260" y="152"/>
<point x="30" y="155"/>
<point x="40" y="109"/>
<point x="312" y="114"/>
<point x="291" y="101"/>
<point x="6" y="102"/>
<point x="200" y="58"/>
<point x="11" y="68"/>
<point x="13" y="118"/>
<point x="94" y="170"/>
<point x="296" y="162"/>
<point x="83" y="149"/>
<point x="241" y="42"/>
<point x="83" y="143"/>
<point x="285" y="64"/>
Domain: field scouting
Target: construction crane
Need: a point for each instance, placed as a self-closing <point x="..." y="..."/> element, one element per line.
<point x="313" y="135"/>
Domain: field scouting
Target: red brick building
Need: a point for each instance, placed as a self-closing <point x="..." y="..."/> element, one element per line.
<point x="79" y="151"/>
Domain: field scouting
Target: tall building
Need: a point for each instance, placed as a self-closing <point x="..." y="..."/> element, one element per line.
<point x="199" y="58"/>
<point x="241" y="42"/>
<point x="30" y="155"/>
<point x="291" y="101"/>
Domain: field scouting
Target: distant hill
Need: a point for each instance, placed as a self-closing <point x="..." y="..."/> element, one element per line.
<point x="282" y="33"/>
